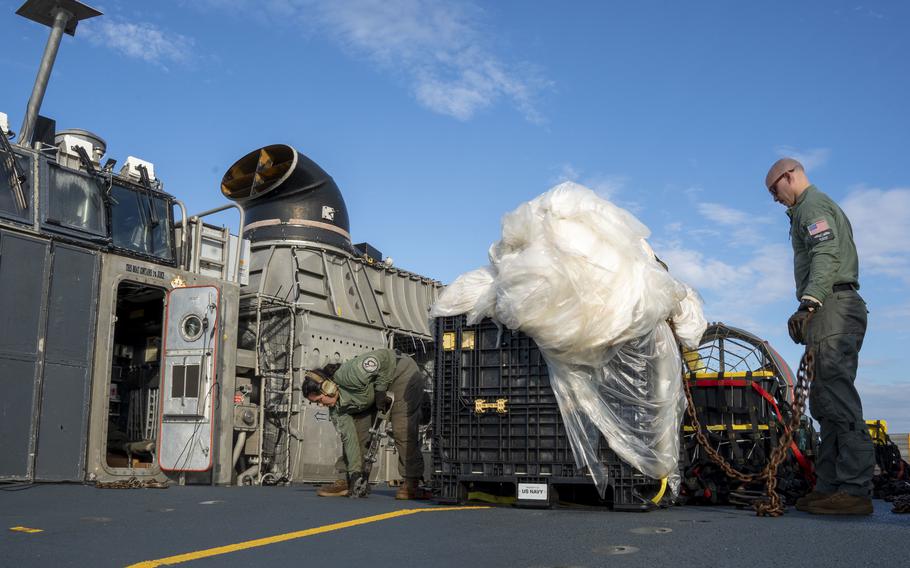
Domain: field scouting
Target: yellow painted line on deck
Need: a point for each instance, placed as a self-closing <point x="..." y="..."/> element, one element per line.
<point x="246" y="545"/>
<point x="26" y="530"/>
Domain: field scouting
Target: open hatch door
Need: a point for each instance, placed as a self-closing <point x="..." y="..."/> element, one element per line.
<point x="188" y="379"/>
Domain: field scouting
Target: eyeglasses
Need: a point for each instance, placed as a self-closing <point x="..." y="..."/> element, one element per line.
<point x="773" y="187"/>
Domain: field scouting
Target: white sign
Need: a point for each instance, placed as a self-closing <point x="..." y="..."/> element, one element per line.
<point x="533" y="491"/>
<point x="328" y="213"/>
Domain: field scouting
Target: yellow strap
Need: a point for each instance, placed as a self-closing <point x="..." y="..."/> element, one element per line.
<point x="721" y="427"/>
<point x="733" y="375"/>
<point x="660" y="494"/>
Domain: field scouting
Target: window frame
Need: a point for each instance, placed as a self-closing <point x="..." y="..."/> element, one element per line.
<point x="27" y="217"/>
<point x="55" y="226"/>
<point x="168" y="201"/>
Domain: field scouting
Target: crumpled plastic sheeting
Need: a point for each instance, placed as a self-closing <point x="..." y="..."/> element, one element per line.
<point x="575" y="273"/>
<point x="688" y="319"/>
<point x="472" y="294"/>
<point x="634" y="398"/>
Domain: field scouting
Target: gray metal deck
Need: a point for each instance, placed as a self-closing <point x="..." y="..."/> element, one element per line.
<point x="85" y="526"/>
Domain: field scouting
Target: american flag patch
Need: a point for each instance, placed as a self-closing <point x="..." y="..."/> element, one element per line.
<point x="818" y="227"/>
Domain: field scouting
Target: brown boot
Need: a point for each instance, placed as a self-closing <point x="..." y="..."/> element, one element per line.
<point x="411" y="489"/>
<point x="338" y="488"/>
<point x="804" y="501"/>
<point x="841" y="503"/>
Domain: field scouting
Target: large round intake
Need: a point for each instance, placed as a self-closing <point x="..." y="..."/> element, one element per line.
<point x="287" y="197"/>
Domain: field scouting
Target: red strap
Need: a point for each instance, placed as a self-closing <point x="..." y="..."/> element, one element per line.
<point x="721" y="383"/>
<point x="805" y="464"/>
<point x="767" y="396"/>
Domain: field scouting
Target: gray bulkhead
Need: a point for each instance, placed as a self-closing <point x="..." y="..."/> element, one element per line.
<point x="48" y="312"/>
<point x="313" y="298"/>
<point x="324" y="306"/>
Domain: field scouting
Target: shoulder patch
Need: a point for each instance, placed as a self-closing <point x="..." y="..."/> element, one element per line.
<point x="370" y="364"/>
<point x="819" y="232"/>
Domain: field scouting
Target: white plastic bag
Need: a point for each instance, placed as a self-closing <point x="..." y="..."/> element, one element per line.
<point x="575" y="273"/>
<point x="688" y="319"/>
<point x="472" y="293"/>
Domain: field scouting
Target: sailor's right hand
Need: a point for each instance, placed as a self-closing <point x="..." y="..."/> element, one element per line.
<point x="798" y="324"/>
<point x="383" y="401"/>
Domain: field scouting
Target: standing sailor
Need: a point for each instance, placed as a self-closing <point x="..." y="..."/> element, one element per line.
<point x="831" y="319"/>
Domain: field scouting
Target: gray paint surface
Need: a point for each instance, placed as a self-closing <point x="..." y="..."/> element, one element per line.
<point x="103" y="527"/>
<point x="22" y="284"/>
<point x="17" y="385"/>
<point x="67" y="364"/>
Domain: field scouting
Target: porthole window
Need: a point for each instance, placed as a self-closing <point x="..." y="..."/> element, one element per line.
<point x="191" y="327"/>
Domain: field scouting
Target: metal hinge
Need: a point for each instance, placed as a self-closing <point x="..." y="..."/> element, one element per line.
<point x="480" y="406"/>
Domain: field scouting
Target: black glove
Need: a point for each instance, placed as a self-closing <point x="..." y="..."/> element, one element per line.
<point x="383" y="402"/>
<point x="798" y="323"/>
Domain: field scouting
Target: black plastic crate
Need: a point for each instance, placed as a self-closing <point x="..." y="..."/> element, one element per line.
<point x="497" y="422"/>
<point x="629" y="490"/>
<point x="484" y="360"/>
<point x="737" y="398"/>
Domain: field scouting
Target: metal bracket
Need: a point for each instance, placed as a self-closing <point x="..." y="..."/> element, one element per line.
<point x="480" y="406"/>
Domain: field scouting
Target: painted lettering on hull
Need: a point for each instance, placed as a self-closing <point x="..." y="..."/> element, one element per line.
<point x="145" y="271"/>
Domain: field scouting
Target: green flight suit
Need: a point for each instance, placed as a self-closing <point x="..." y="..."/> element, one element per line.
<point x="358" y="380"/>
<point x="824" y="258"/>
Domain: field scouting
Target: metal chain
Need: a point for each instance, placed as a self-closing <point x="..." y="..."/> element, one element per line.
<point x="772" y="506"/>
<point x="901" y="504"/>
<point x="132" y="483"/>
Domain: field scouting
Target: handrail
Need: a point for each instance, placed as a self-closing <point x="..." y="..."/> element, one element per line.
<point x="185" y="235"/>
<point x="239" y="232"/>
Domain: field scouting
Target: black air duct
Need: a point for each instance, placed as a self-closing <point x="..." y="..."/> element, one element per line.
<point x="287" y="197"/>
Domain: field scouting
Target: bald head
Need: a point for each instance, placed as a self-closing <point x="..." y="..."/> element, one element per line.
<point x="786" y="181"/>
<point x="781" y="166"/>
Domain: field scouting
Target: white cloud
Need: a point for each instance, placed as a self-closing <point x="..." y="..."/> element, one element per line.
<point x="693" y="191"/>
<point x="697" y="270"/>
<point x="881" y="229"/>
<point x="567" y="172"/>
<point x="741" y="227"/>
<point x="440" y="45"/>
<point x="724" y="215"/>
<point x="737" y="294"/>
<point x="441" y="48"/>
<point x="607" y="186"/>
<point x="810" y="159"/>
<point x="139" y="40"/>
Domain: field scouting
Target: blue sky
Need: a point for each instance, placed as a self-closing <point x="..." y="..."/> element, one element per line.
<point x="436" y="118"/>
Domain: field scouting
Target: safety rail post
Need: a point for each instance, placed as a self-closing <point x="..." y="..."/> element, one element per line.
<point x="199" y="216"/>
<point x="185" y="230"/>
